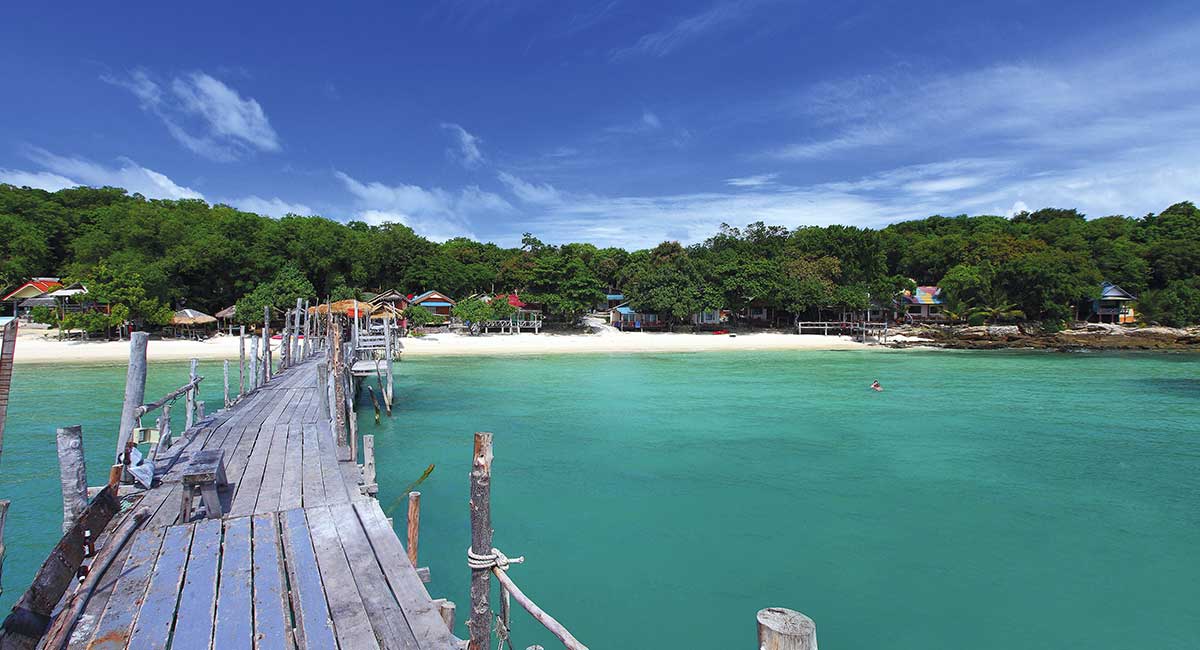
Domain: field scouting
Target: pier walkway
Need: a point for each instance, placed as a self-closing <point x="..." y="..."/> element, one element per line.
<point x="300" y="557"/>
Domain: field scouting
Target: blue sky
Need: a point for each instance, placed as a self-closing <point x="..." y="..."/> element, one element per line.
<point x="616" y="122"/>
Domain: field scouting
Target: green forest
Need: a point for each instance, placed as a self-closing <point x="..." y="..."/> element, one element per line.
<point x="148" y="256"/>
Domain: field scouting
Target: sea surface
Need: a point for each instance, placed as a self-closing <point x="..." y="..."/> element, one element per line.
<point x="983" y="500"/>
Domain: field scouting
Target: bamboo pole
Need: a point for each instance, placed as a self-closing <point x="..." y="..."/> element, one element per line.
<point x="414" y="526"/>
<point x="480" y="623"/>
<point x="72" y="473"/>
<point x="785" y="629"/>
<point x="242" y="362"/>
<point x="190" y="414"/>
<point x="135" y="387"/>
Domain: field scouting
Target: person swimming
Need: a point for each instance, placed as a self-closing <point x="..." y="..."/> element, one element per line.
<point x="876" y="387"/>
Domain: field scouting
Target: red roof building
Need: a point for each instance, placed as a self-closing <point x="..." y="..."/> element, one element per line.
<point x="34" y="287"/>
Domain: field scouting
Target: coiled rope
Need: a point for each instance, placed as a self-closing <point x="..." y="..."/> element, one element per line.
<point x="495" y="558"/>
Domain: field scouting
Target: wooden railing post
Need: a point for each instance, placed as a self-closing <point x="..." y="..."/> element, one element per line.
<point x="241" y="361"/>
<point x="285" y="342"/>
<point x="390" y="395"/>
<point x="253" y="362"/>
<point x="370" y="486"/>
<point x="266" y="336"/>
<point x="164" y="427"/>
<point x="135" y="387"/>
<point x="190" y="401"/>
<point x="323" y="390"/>
<point x="4" y="503"/>
<point x="296" y="331"/>
<point x="785" y="629"/>
<point x="199" y="410"/>
<point x="480" y="623"/>
<point x="226" y="383"/>
<point x="414" y="525"/>
<point x="72" y="472"/>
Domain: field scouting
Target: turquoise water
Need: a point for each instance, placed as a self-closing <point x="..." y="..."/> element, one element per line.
<point x="984" y="500"/>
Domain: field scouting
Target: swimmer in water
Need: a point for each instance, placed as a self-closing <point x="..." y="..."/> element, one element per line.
<point x="876" y="387"/>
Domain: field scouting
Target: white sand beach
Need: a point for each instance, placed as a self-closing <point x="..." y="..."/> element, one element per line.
<point x="37" y="346"/>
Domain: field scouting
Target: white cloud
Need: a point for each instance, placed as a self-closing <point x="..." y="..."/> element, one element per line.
<point x="128" y="175"/>
<point x="648" y="122"/>
<point x="274" y="207"/>
<point x="665" y="41"/>
<point x="204" y="114"/>
<point x="434" y="212"/>
<point x="468" y="153"/>
<point x="758" y="180"/>
<point x="40" y="180"/>
<point x="530" y="192"/>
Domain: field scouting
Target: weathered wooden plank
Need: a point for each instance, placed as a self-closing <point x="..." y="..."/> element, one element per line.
<point x="272" y="480"/>
<point x="198" y="602"/>
<point x="292" y="489"/>
<point x="335" y="482"/>
<point x="153" y="627"/>
<point x="246" y="497"/>
<point x="109" y="627"/>
<point x="314" y="484"/>
<point x="386" y="615"/>
<point x="272" y="624"/>
<point x="351" y="624"/>
<point x="426" y="624"/>
<point x="234" y="629"/>
<point x="314" y="627"/>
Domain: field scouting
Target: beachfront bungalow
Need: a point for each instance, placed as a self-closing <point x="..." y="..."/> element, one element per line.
<point x="1115" y="305"/>
<point x="924" y="304"/>
<point x="436" y="302"/>
<point x="34" y="288"/>
<point x="391" y="298"/>
<point x="624" y="317"/>
<point x="709" y="319"/>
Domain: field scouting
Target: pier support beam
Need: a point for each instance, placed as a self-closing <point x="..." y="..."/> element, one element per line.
<point x="72" y="472"/>
<point x="135" y="387"/>
<point x="785" y="629"/>
<point x="414" y="526"/>
<point x="480" y="623"/>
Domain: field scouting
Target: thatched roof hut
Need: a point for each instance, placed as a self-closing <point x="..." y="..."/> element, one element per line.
<point x="191" y="317"/>
<point x="227" y="313"/>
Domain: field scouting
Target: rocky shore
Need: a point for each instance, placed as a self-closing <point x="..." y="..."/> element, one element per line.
<point x="1093" y="336"/>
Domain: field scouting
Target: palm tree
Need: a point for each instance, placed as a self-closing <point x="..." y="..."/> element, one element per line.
<point x="995" y="308"/>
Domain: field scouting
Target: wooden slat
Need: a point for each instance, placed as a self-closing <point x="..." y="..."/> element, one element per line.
<point x="272" y="627"/>
<point x="153" y="627"/>
<point x="386" y="615"/>
<point x="272" y="480"/>
<point x="314" y="627"/>
<point x="314" y="484"/>
<point x="234" y="627"/>
<point x="198" y="603"/>
<point x="292" y="489"/>
<point x="351" y="624"/>
<point x="423" y="619"/>
<point x="121" y="604"/>
<point x="335" y="482"/>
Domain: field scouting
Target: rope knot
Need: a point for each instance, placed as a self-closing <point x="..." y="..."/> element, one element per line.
<point x="494" y="558"/>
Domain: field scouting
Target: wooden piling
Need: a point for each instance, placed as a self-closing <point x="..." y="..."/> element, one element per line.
<point x="266" y="337"/>
<point x="323" y="390"/>
<point x="351" y="417"/>
<point x="253" y="362"/>
<point x="190" y="416"/>
<point x="414" y="525"/>
<point x="307" y="330"/>
<point x="135" y="387"/>
<point x="242" y="362"/>
<point x="785" y="629"/>
<point x="72" y="473"/>
<point x="382" y="391"/>
<point x="480" y="623"/>
<point x="374" y="402"/>
<point x="446" y="611"/>
<point x="370" y="485"/>
<point x="390" y="395"/>
<point x="296" y="331"/>
<point x="285" y="342"/>
<point x="4" y="503"/>
<point x="199" y="410"/>
<point x="227" y="383"/>
<point x="339" y="395"/>
<point x="164" y="427"/>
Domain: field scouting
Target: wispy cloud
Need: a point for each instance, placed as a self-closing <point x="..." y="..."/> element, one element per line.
<point x="758" y="180"/>
<point x="538" y="194"/>
<point x="648" y="122"/>
<point x="67" y="171"/>
<point x="433" y="212"/>
<point x="203" y="114"/>
<point x="665" y="41"/>
<point x="468" y="152"/>
<point x="274" y="207"/>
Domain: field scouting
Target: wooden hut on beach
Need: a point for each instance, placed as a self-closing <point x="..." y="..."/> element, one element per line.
<point x="436" y="302"/>
<point x="191" y="323"/>
<point x="33" y="288"/>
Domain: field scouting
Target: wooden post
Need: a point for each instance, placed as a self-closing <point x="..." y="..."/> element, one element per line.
<point x="414" y="525"/>
<point x="296" y="330"/>
<point x="72" y="473"/>
<point x="199" y="410"/>
<point x="480" y="623"/>
<point x="8" y="345"/>
<point x="190" y="415"/>
<point x="785" y="629"/>
<point x="369" y="465"/>
<point x="241" y="362"/>
<point x="266" y="336"/>
<point x="253" y="362"/>
<point x="4" y="503"/>
<point x="382" y="390"/>
<point x="226" y="383"/>
<point x="339" y="395"/>
<point x="307" y="333"/>
<point x="164" y="427"/>
<point x="351" y="417"/>
<point x="285" y="342"/>
<point x="374" y="402"/>
<point x="390" y="395"/>
<point x="135" y="387"/>
<point x="323" y="390"/>
<point x="446" y="610"/>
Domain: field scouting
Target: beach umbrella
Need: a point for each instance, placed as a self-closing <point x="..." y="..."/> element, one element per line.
<point x="191" y="317"/>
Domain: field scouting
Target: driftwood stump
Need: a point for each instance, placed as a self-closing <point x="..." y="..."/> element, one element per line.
<point x="785" y="629"/>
